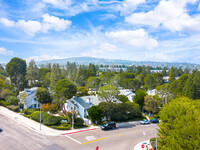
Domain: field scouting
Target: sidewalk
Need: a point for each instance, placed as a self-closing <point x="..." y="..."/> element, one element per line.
<point x="35" y="126"/>
<point x="145" y="143"/>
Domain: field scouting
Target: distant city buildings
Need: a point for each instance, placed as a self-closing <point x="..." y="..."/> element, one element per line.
<point x="113" y="69"/>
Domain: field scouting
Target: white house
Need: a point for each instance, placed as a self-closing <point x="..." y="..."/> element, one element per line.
<point x="128" y="93"/>
<point x="81" y="104"/>
<point x="30" y="100"/>
<point x="151" y="92"/>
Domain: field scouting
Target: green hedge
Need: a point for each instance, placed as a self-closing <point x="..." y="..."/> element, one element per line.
<point x="29" y="111"/>
<point x="78" y="121"/>
<point x="52" y="120"/>
<point x="61" y="127"/>
<point x="4" y="103"/>
<point x="36" y="116"/>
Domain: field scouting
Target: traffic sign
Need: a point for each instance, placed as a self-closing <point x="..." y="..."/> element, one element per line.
<point x="142" y="146"/>
<point x="97" y="148"/>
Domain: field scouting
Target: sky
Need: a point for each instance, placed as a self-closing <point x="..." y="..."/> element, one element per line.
<point x="139" y="30"/>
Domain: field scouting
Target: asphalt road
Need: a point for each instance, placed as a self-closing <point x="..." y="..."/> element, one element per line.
<point x="17" y="137"/>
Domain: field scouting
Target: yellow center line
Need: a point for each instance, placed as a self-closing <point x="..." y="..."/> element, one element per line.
<point x="94" y="140"/>
<point x="118" y="134"/>
<point x="136" y="131"/>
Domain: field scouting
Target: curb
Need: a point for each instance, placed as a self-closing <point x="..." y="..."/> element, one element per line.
<point x="78" y="131"/>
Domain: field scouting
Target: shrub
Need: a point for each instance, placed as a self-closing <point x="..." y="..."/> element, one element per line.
<point x="4" y="103"/>
<point x="13" y="108"/>
<point x="29" y="111"/>
<point x="79" y="121"/>
<point x="36" y="116"/>
<point x="12" y="100"/>
<point x="68" y="127"/>
<point x="51" y="120"/>
<point x="45" y="107"/>
<point x="53" y="108"/>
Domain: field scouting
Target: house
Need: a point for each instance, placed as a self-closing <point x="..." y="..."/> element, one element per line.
<point x="128" y="93"/>
<point x="151" y="92"/>
<point x="81" y="104"/>
<point x="30" y="100"/>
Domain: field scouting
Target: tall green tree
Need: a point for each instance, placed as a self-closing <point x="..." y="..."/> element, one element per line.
<point x="108" y="93"/>
<point x="32" y="72"/>
<point x="172" y="75"/>
<point x="164" y="71"/>
<point x="149" y="81"/>
<point x="151" y="104"/>
<point x="16" y="69"/>
<point x="139" y="97"/>
<point x="43" y="95"/>
<point x="64" y="90"/>
<point x="93" y="82"/>
<point x="55" y="75"/>
<point x="158" y="78"/>
<point x="95" y="114"/>
<point x="180" y="127"/>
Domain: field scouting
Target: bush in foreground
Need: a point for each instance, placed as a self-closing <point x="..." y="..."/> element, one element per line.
<point x="13" y="108"/>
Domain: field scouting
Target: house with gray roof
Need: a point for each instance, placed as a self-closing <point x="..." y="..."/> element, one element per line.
<point x="81" y="104"/>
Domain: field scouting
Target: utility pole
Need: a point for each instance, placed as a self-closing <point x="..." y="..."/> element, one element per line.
<point x="156" y="139"/>
<point x="40" y="117"/>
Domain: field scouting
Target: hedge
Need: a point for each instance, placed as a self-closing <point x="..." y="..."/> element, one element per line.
<point x="4" y="103"/>
<point x="52" y="120"/>
<point x="13" y="108"/>
<point x="29" y="111"/>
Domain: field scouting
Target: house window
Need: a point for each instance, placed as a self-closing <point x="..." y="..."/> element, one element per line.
<point x="35" y="105"/>
<point x="35" y="99"/>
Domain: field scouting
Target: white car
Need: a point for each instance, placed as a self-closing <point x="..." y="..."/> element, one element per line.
<point x="144" y="121"/>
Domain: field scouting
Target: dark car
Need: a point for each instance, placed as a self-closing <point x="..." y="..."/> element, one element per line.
<point x="1" y="129"/>
<point x="109" y="125"/>
<point x="155" y="120"/>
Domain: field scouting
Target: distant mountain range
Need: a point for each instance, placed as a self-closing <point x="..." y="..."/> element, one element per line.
<point x="103" y="61"/>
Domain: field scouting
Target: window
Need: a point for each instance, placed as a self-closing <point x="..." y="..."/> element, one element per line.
<point x="35" y="99"/>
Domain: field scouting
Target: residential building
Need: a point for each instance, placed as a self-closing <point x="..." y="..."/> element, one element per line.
<point x="128" y="93"/>
<point x="30" y="100"/>
<point x="81" y="104"/>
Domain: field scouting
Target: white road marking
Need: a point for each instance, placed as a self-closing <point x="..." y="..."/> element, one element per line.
<point x="73" y="139"/>
<point x="144" y="133"/>
<point x="90" y="138"/>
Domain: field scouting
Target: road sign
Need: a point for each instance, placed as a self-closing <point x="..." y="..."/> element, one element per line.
<point x="142" y="146"/>
<point x="97" y="148"/>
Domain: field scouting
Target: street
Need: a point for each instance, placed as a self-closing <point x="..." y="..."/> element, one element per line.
<point x="17" y="137"/>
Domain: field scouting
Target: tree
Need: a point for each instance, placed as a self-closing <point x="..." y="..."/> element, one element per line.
<point x="132" y="84"/>
<point x="149" y="81"/>
<point x="140" y="77"/>
<point x="32" y="71"/>
<point x="139" y="97"/>
<point x="122" y="98"/>
<point x="12" y="100"/>
<point x="164" y="71"/>
<point x="172" y="75"/>
<point x="2" y="84"/>
<point x="158" y="78"/>
<point x="55" y="75"/>
<point x="150" y="104"/>
<point x="180" y="125"/>
<point x="43" y="95"/>
<point x="16" y="69"/>
<point x="82" y="91"/>
<point x="181" y="83"/>
<point x="64" y="90"/>
<point x="82" y="76"/>
<point x="108" y="93"/>
<point x="95" y="114"/>
<point x="93" y="82"/>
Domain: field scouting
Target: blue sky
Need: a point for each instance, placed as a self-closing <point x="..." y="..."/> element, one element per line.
<point x="140" y="30"/>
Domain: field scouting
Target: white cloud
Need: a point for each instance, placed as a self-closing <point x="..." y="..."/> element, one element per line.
<point x="62" y="4"/>
<point x="134" y="38"/>
<point x="42" y="57"/>
<point x="128" y="6"/>
<point x="171" y="14"/>
<point x="32" y="27"/>
<point x="4" y="51"/>
<point x="158" y="57"/>
<point x="105" y="47"/>
<point x="7" y="22"/>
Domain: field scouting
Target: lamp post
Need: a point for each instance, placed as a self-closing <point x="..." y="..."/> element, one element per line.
<point x="156" y="139"/>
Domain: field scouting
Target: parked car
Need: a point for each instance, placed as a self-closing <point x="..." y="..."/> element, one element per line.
<point x="144" y="121"/>
<point x="155" y="120"/>
<point x="1" y="129"/>
<point x="109" y="125"/>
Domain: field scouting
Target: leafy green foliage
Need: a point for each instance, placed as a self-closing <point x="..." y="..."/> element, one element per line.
<point x="32" y="72"/>
<point x="82" y="91"/>
<point x="78" y="121"/>
<point x="139" y="97"/>
<point x="149" y="81"/>
<point x="12" y="100"/>
<point x="29" y="111"/>
<point x="108" y="93"/>
<point x="13" y="108"/>
<point x="43" y="95"/>
<point x="64" y="90"/>
<point x="95" y="113"/>
<point x="180" y="126"/>
<point x="4" y="103"/>
<point x="122" y="98"/>
<point x="93" y="82"/>
<point x="16" y="69"/>
<point x="150" y="104"/>
<point x="51" y="120"/>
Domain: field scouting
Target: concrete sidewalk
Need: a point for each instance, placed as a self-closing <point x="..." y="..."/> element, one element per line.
<point x="35" y="126"/>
